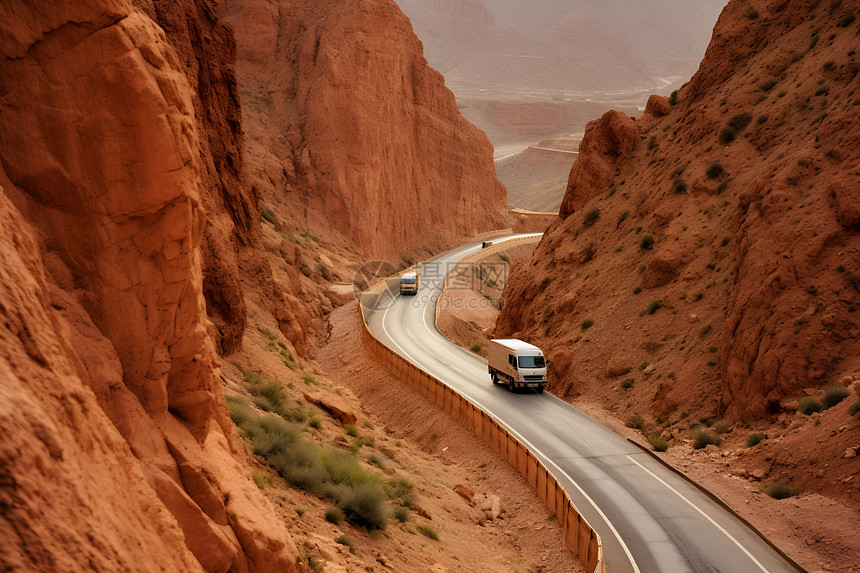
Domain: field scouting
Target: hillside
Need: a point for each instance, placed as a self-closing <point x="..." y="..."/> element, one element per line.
<point x="704" y="264"/>
<point x="537" y="176"/>
<point x="148" y="237"/>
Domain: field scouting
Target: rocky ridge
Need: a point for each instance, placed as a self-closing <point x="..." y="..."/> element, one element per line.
<point x="713" y="240"/>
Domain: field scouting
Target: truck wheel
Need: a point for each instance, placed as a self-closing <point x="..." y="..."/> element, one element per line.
<point x="511" y="387"/>
<point x="494" y="377"/>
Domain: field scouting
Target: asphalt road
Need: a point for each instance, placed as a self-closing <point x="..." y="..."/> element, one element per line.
<point x="649" y="519"/>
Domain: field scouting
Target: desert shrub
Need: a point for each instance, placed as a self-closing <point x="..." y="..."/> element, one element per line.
<point x="311" y="236"/>
<point x="767" y="85"/>
<point x="621" y="218"/>
<point x="673" y="98"/>
<point x="703" y="437"/>
<point x="345" y="540"/>
<point x="618" y="249"/>
<point x="476" y="346"/>
<point x="333" y="514"/>
<point x="714" y="170"/>
<point x="401" y="514"/>
<point x="637" y="290"/>
<point x="627" y="383"/>
<point x="722" y="427"/>
<point x="351" y="430"/>
<point x="401" y="490"/>
<point x="428" y="531"/>
<point x="300" y="511"/>
<point x="679" y="186"/>
<point x="505" y="257"/>
<point x="653" y="306"/>
<point x="658" y="444"/>
<point x="309" y="379"/>
<point x="735" y="125"/>
<point x="652" y="143"/>
<point x="809" y="405"/>
<point x="754" y="439"/>
<point x="780" y="490"/>
<point x="636" y="422"/>
<point x="269" y="215"/>
<point x="326" y="274"/>
<point x="833" y="395"/>
<point x="854" y="409"/>
<point x="711" y="363"/>
<point x="591" y="217"/>
<point x="587" y="323"/>
<point x="646" y="242"/>
<point x="752" y="13"/>
<point x="706" y="330"/>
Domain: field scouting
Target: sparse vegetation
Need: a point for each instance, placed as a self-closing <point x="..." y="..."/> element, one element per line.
<point x="854" y="409"/>
<point x="344" y="540"/>
<point x="703" y="437"/>
<point x="706" y="330"/>
<point x="428" y="531"/>
<point x="587" y="323"/>
<point x="636" y="422"/>
<point x="621" y="218"/>
<point x="309" y="379"/>
<point x="714" y="170"/>
<point x="505" y="257"/>
<point x="476" y="346"/>
<point x="809" y="405"/>
<point x="401" y="514"/>
<point x="646" y="242"/>
<point x="653" y="306"/>
<point x="679" y="186"/>
<point x="627" y="383"/>
<point x="767" y="85"/>
<point x="780" y="490"/>
<point x="658" y="444"/>
<point x="673" y="98"/>
<point x="333" y="514"/>
<point x="591" y="217"/>
<point x="846" y="20"/>
<point x="326" y="274"/>
<point x="833" y="395"/>
<point x="269" y="215"/>
<point x="735" y="126"/>
<point x="755" y="439"/>
<point x="752" y="13"/>
<point x="637" y="290"/>
<point x="722" y="427"/>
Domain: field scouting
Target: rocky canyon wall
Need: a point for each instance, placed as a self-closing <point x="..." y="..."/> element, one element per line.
<point x="352" y="131"/>
<point x="117" y="450"/>
<point x="713" y="240"/>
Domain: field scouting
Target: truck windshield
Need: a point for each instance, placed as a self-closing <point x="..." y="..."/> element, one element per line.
<point x="531" y="362"/>
<point x="408" y="281"/>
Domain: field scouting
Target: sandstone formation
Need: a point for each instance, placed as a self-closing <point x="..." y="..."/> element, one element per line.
<point x="107" y="162"/>
<point x="352" y="131"/>
<point x="721" y="232"/>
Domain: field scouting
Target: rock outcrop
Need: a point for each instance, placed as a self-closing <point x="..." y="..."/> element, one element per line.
<point x="117" y="450"/>
<point x="733" y="210"/>
<point x="352" y="131"/>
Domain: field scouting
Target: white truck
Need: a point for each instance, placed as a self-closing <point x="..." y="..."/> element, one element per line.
<point x="409" y="283"/>
<point x="517" y="364"/>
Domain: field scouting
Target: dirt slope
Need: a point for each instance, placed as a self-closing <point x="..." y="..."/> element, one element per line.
<point x="714" y="243"/>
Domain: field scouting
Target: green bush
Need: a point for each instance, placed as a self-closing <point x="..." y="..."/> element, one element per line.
<point x="627" y="383"/>
<point x="637" y="290"/>
<point x="780" y="490"/>
<point x="679" y="186"/>
<point x="767" y="85"/>
<point x="636" y="422"/>
<point x="333" y="514"/>
<point x="476" y="346"/>
<point x="653" y="306"/>
<point x="300" y="511"/>
<point x="587" y="323"/>
<point x="344" y="540"/>
<point x="703" y="437"/>
<point x="401" y="514"/>
<point x="714" y="170"/>
<point x="722" y="427"/>
<point x="833" y="395"/>
<point x="854" y="409"/>
<point x="309" y="379"/>
<point x="428" y="531"/>
<point x="658" y="444"/>
<point x="401" y="490"/>
<point x="673" y="98"/>
<point x="646" y="242"/>
<point x="735" y="125"/>
<point x="755" y="439"/>
<point x="591" y="217"/>
<point x="809" y="405"/>
<point x="505" y="257"/>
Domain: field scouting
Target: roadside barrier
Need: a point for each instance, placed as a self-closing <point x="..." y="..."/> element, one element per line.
<point x="579" y="536"/>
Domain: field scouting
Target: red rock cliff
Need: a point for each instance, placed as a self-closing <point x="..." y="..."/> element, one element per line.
<point x="748" y="189"/>
<point x="117" y="451"/>
<point x="361" y="135"/>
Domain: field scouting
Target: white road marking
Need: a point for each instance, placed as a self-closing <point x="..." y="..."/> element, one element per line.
<point x="702" y="513"/>
<point x="519" y="437"/>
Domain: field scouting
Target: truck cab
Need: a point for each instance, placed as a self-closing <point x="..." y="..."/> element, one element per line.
<point x="409" y="283"/>
<point x="517" y="364"/>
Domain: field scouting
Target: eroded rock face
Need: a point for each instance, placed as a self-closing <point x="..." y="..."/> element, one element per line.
<point x="354" y="129"/>
<point x="106" y="349"/>
<point x="747" y="186"/>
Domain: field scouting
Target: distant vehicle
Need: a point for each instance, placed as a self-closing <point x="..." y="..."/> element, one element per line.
<point x="409" y="283"/>
<point x="517" y="364"/>
<point x="486" y="244"/>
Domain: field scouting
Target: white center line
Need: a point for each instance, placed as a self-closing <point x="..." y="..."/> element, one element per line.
<point x="703" y="514"/>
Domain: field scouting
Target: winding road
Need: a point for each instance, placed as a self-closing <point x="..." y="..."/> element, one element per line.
<point x="649" y="518"/>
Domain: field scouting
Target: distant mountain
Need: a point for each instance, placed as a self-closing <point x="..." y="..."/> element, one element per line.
<point x="563" y="46"/>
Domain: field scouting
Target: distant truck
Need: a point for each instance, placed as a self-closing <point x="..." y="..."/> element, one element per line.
<point x="409" y="283"/>
<point x="517" y="364"/>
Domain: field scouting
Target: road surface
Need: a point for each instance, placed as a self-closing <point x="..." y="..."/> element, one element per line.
<point x="649" y="519"/>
